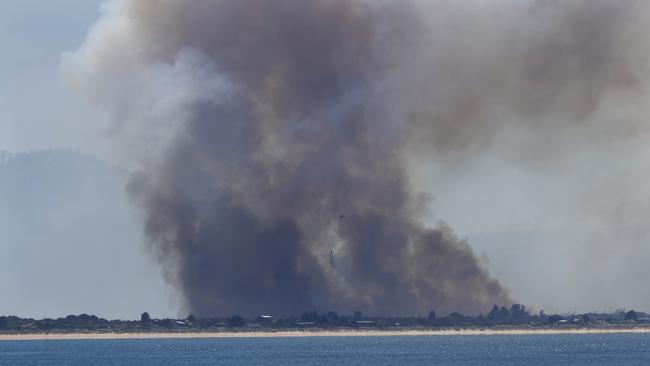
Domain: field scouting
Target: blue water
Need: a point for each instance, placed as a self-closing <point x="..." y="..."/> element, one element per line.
<point x="609" y="349"/>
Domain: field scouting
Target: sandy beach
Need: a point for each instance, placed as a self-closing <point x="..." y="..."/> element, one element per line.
<point x="318" y="333"/>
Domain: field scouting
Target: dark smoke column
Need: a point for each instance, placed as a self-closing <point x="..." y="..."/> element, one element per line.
<point x="270" y="159"/>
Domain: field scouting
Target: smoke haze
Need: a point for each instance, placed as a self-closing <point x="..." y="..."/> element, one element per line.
<point x="279" y="147"/>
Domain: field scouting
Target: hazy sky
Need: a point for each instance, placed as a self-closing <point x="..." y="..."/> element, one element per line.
<point x="568" y="234"/>
<point x="37" y="109"/>
<point x="87" y="254"/>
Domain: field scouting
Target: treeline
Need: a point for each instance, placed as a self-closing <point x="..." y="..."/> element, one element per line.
<point x="515" y="316"/>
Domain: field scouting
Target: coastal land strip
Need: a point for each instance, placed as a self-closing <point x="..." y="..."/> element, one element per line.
<point x="317" y="333"/>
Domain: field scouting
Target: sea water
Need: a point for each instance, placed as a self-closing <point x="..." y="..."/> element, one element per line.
<point x="591" y="349"/>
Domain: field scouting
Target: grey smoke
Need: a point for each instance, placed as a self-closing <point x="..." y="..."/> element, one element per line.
<point x="271" y="139"/>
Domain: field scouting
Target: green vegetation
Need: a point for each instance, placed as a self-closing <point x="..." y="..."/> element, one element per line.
<point x="517" y="316"/>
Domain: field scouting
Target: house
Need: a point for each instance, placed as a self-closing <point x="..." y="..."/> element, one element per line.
<point x="265" y="319"/>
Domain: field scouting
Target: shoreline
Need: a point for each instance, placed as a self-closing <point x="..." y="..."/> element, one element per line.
<point x="317" y="333"/>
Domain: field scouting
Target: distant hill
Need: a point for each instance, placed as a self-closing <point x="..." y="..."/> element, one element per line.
<point x="69" y="240"/>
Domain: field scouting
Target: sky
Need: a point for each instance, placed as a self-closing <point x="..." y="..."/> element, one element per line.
<point x="88" y="255"/>
<point x="553" y="235"/>
<point x="37" y="108"/>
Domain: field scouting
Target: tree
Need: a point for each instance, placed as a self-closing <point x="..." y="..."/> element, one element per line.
<point x="631" y="315"/>
<point x="236" y="321"/>
<point x="456" y="318"/>
<point x="432" y="315"/>
<point x="519" y="311"/>
<point x="358" y="315"/>
<point x="167" y="323"/>
<point x="309" y="316"/>
<point x="554" y="318"/>
<point x="494" y="314"/>
<point x="332" y="317"/>
<point x="145" y="319"/>
<point x="191" y="318"/>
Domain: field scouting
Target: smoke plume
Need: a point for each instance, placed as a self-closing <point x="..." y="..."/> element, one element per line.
<point x="273" y="142"/>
